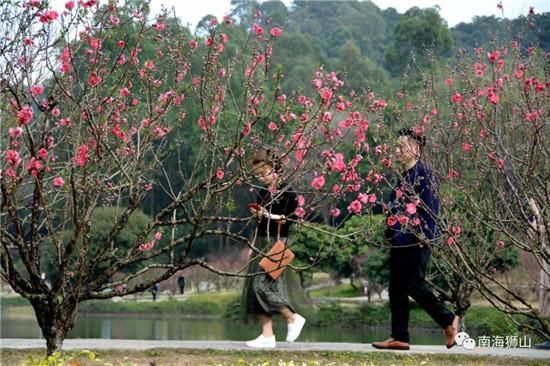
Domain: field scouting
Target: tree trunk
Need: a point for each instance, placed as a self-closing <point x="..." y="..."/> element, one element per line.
<point x="55" y="320"/>
<point x="462" y="303"/>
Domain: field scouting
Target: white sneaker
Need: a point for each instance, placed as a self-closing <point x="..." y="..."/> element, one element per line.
<point x="295" y="328"/>
<point x="262" y="342"/>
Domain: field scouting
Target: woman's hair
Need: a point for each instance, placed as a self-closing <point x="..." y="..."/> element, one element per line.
<point x="413" y="135"/>
<point x="266" y="156"/>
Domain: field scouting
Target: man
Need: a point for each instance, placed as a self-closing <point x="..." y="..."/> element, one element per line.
<point x="155" y="291"/>
<point x="410" y="229"/>
<point x="181" y="283"/>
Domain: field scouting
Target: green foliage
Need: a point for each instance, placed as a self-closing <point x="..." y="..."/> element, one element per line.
<point x="480" y="320"/>
<point x="211" y="305"/>
<point x="343" y="290"/>
<point x="361" y="72"/>
<point x="275" y="11"/>
<point x="15" y="301"/>
<point x="480" y="240"/>
<point x="336" y="314"/>
<point x="335" y="254"/>
<point x="64" y="359"/>
<point x="102" y="222"/>
<point x="376" y="267"/>
<point x="418" y="31"/>
<point x="486" y="320"/>
<point x="481" y="32"/>
<point x="233" y="310"/>
<point x="485" y="31"/>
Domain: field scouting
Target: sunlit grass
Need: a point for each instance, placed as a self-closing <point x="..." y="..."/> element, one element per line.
<point x="342" y="290"/>
<point x="173" y="357"/>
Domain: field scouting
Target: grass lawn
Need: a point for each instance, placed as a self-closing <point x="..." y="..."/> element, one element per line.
<point x="342" y="290"/>
<point x="170" y="357"/>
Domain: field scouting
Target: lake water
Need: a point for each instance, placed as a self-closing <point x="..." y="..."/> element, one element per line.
<point x="19" y="322"/>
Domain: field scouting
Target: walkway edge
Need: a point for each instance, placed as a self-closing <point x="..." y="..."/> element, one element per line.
<point x="137" y="345"/>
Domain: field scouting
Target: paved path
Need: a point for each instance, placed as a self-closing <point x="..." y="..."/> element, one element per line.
<point x="131" y="344"/>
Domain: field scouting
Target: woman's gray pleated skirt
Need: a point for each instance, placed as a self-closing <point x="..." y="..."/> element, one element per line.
<point x="261" y="293"/>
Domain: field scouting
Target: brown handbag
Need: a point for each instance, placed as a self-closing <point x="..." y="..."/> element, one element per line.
<point x="278" y="257"/>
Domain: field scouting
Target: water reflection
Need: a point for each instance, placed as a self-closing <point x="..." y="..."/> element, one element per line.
<point x="13" y="325"/>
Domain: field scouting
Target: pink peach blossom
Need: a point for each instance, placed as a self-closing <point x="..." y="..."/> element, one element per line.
<point x="48" y="16"/>
<point x="94" y="79"/>
<point x="276" y="32"/>
<point x="13" y="158"/>
<point x="403" y="220"/>
<point x="36" y="90"/>
<point x="372" y="198"/>
<point x="227" y="19"/>
<point x="411" y="208"/>
<point x="96" y="43"/>
<point x="43" y="153"/>
<point x="300" y="212"/>
<point x="452" y="175"/>
<point x="456" y="98"/>
<point x="24" y="116"/>
<point x="355" y="207"/>
<point x="64" y="122"/>
<point x="257" y="29"/>
<point x="58" y="182"/>
<point x="392" y="220"/>
<point x="34" y="166"/>
<point x="363" y="198"/>
<point x="15" y="132"/>
<point x="466" y="147"/>
<point x="81" y="156"/>
<point x="318" y="182"/>
<point x="325" y="93"/>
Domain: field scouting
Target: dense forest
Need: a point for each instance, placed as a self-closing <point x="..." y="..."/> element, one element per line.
<point x="374" y="47"/>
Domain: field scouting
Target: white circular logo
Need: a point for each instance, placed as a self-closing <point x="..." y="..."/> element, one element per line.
<point x="460" y="337"/>
<point x="469" y="343"/>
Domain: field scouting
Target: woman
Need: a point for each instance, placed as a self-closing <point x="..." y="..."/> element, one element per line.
<point x="263" y="295"/>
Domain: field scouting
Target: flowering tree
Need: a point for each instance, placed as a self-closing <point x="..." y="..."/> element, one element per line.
<point x="100" y="105"/>
<point x="487" y="122"/>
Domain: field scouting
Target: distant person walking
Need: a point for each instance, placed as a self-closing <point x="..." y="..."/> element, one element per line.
<point x="262" y="295"/>
<point x="410" y="228"/>
<point x="181" y="283"/>
<point x="365" y="288"/>
<point x="155" y="291"/>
